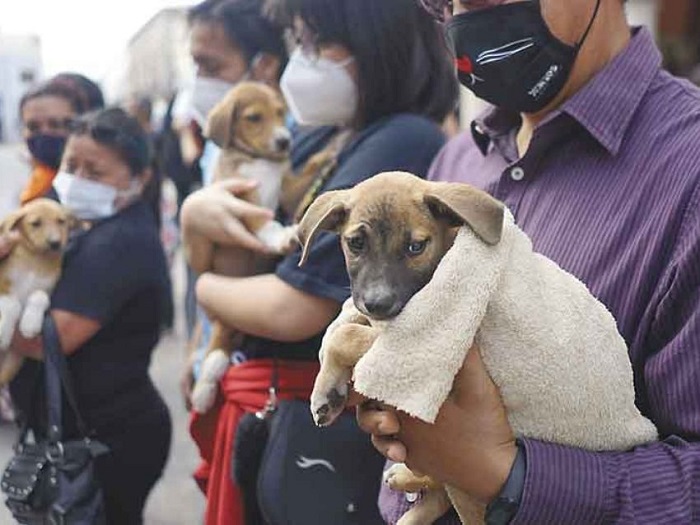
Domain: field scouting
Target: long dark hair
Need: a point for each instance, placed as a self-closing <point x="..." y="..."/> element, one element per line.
<point x="402" y="62"/>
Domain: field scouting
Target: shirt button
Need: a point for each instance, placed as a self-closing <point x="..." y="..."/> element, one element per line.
<point x="411" y="497"/>
<point x="517" y="173"/>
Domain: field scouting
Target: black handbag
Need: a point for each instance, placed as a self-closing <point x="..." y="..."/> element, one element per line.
<point x="303" y="474"/>
<point x="49" y="480"/>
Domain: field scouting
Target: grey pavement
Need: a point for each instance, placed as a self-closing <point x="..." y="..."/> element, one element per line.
<point x="175" y="500"/>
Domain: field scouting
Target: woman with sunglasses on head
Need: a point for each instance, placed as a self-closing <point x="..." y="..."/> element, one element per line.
<point x="369" y="84"/>
<point x="107" y="309"/>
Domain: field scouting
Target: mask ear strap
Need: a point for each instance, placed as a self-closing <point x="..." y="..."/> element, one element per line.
<point x="590" y="25"/>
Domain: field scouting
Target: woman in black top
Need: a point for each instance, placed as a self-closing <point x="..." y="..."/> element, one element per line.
<point x="107" y="308"/>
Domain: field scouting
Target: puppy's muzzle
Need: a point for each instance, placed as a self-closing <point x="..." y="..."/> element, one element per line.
<point x="379" y="304"/>
<point x="282" y="140"/>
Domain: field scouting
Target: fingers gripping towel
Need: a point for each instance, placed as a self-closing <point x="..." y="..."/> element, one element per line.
<point x="552" y="349"/>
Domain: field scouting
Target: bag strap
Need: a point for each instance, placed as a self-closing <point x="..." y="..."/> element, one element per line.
<point x="57" y="375"/>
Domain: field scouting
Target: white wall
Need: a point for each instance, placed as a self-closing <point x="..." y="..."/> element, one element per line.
<point x="20" y="69"/>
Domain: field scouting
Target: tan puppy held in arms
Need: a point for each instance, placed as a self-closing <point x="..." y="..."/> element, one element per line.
<point x="29" y="273"/>
<point x="249" y="127"/>
<point x="437" y="268"/>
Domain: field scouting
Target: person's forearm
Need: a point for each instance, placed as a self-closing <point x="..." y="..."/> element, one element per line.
<point x="657" y="483"/>
<point x="265" y="306"/>
<point x="198" y="250"/>
<point x="32" y="348"/>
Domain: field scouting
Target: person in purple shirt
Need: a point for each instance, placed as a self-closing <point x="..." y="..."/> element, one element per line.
<point x="596" y="151"/>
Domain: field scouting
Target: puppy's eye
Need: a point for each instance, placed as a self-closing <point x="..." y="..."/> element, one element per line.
<point x="35" y="223"/>
<point x="61" y="222"/>
<point x="254" y="118"/>
<point x="417" y="247"/>
<point x="356" y="244"/>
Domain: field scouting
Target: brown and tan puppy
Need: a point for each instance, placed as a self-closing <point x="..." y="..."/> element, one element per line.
<point x="249" y="127"/>
<point x="29" y="273"/>
<point x="395" y="229"/>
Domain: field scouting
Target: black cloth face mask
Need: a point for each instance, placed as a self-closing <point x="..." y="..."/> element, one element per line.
<point x="507" y="55"/>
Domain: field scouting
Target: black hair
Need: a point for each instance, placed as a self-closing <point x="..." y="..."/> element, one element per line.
<point x="399" y="51"/>
<point x="88" y="91"/>
<point x="79" y="91"/>
<point x="121" y="133"/>
<point x="246" y="27"/>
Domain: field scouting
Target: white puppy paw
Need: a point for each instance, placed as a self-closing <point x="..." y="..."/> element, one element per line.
<point x="203" y="396"/>
<point x="10" y="311"/>
<point x="204" y="392"/>
<point x="281" y="239"/>
<point x="33" y="316"/>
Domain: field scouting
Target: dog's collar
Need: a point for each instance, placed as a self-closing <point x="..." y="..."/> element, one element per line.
<point x="256" y="154"/>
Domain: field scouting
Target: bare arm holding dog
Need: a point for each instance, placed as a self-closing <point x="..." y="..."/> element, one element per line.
<point x="265" y="306"/>
<point x="213" y="215"/>
<point x="73" y="331"/>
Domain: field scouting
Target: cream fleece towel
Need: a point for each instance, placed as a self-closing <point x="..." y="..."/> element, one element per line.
<point x="552" y="349"/>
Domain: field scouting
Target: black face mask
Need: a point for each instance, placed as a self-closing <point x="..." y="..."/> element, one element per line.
<point x="507" y="55"/>
<point x="47" y="148"/>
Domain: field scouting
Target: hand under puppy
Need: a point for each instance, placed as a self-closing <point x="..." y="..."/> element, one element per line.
<point x="471" y="446"/>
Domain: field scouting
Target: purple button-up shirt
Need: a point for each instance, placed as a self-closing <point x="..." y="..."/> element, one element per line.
<point x="610" y="190"/>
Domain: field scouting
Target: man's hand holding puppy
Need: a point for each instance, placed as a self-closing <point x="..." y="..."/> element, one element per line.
<point x="471" y="445"/>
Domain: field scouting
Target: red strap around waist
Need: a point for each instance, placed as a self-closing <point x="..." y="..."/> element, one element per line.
<point x="244" y="388"/>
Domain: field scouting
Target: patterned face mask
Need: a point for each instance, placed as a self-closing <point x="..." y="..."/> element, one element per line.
<point x="508" y="56"/>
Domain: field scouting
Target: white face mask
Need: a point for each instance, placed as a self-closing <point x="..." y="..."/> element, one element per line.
<point x="91" y="200"/>
<point x="319" y="91"/>
<point x="207" y="92"/>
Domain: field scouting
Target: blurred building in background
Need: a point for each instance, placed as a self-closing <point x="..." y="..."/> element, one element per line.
<point x="20" y="69"/>
<point x="155" y="62"/>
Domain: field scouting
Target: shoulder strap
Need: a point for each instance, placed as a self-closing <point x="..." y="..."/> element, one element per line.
<point x="57" y="375"/>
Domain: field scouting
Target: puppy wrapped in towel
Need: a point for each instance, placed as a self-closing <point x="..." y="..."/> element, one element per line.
<point x="552" y="349"/>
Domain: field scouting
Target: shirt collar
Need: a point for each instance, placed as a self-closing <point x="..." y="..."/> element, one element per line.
<point x="604" y="107"/>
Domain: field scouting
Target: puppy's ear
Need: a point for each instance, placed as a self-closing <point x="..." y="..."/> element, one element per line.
<point x="463" y="204"/>
<point x="328" y="212"/>
<point x="11" y="222"/>
<point x="220" y="121"/>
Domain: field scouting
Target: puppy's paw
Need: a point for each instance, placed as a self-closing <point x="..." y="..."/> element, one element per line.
<point x="203" y="395"/>
<point x="214" y="366"/>
<point x="288" y="240"/>
<point x="10" y="311"/>
<point x="32" y="318"/>
<point x="400" y="477"/>
<point x="328" y="402"/>
<point x="5" y="338"/>
<point x="280" y="239"/>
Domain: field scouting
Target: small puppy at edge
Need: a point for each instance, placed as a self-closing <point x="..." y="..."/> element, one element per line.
<point x="249" y="127"/>
<point x="29" y="273"/>
<point x="395" y="230"/>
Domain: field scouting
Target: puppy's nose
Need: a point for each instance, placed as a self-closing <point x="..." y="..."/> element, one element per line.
<point x="55" y="245"/>
<point x="380" y="306"/>
<point x="282" y="143"/>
